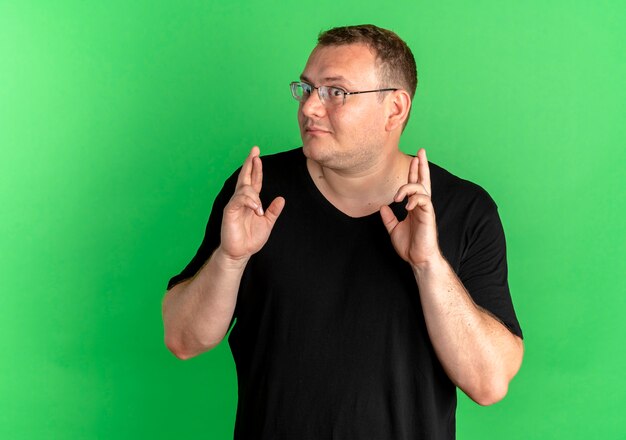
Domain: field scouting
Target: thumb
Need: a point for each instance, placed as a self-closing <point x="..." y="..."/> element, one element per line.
<point x="276" y="207"/>
<point x="389" y="218"/>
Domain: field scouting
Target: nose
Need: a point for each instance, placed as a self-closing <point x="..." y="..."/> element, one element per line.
<point x="313" y="106"/>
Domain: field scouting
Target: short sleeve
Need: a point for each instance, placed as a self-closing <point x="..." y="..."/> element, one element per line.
<point x="211" y="235"/>
<point x="483" y="269"/>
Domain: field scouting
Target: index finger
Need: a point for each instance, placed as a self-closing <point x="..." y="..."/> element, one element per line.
<point x="424" y="170"/>
<point x="245" y="175"/>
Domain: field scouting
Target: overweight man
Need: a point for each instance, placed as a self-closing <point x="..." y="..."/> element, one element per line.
<point x="365" y="285"/>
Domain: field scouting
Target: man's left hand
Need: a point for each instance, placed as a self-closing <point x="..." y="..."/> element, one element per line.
<point x="414" y="238"/>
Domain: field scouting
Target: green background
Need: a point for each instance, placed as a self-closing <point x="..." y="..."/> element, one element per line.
<point x="119" y="121"/>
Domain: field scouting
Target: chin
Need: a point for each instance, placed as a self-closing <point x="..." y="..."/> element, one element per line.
<point x="324" y="155"/>
<point x="315" y="150"/>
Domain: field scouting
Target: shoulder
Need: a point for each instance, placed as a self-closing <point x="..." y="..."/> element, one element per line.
<point x="450" y="190"/>
<point x="283" y="174"/>
<point x="470" y="230"/>
<point x="275" y="165"/>
<point x="284" y="168"/>
<point x="285" y="159"/>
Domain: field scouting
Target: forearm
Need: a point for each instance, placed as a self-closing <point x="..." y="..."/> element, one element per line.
<point x="479" y="354"/>
<point x="197" y="312"/>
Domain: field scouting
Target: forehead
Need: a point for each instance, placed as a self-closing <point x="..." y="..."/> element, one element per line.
<point x="353" y="64"/>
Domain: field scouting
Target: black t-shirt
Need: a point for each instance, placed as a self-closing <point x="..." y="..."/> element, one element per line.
<point x="330" y="340"/>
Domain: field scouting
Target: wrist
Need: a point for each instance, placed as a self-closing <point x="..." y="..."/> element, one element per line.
<point x="431" y="266"/>
<point x="227" y="262"/>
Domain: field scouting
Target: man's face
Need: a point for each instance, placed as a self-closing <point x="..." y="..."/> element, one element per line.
<point x="348" y="136"/>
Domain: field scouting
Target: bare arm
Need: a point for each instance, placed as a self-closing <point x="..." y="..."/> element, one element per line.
<point x="479" y="354"/>
<point x="197" y="312"/>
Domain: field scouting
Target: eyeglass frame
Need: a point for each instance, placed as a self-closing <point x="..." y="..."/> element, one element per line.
<point x="320" y="94"/>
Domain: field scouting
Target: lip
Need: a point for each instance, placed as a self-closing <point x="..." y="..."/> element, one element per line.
<point x="315" y="130"/>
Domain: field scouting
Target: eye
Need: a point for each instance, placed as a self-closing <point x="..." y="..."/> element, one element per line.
<point x="306" y="89"/>
<point x="336" y="92"/>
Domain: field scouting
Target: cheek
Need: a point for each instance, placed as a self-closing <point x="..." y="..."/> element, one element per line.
<point x="357" y="122"/>
<point x="365" y="128"/>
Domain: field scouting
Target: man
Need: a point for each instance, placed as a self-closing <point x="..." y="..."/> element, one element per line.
<point x="367" y="284"/>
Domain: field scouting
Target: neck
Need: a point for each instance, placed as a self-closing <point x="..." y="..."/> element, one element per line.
<point x="362" y="191"/>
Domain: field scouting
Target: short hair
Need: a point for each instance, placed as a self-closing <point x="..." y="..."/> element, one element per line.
<point x="396" y="62"/>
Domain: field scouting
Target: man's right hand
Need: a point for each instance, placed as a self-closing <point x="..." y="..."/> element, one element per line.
<point x="245" y="226"/>
<point x="197" y="312"/>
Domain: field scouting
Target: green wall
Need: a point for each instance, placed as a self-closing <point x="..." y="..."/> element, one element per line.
<point x="119" y="121"/>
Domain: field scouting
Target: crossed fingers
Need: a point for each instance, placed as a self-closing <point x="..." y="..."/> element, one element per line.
<point x="417" y="187"/>
<point x="249" y="183"/>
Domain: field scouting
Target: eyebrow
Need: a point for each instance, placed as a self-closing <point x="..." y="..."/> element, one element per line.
<point x="327" y="79"/>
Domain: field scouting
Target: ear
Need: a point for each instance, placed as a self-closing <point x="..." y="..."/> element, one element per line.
<point x="398" y="107"/>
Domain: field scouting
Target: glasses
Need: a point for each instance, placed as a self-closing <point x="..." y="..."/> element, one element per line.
<point x="329" y="95"/>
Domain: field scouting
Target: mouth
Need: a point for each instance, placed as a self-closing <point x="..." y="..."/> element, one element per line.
<point x="315" y="131"/>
